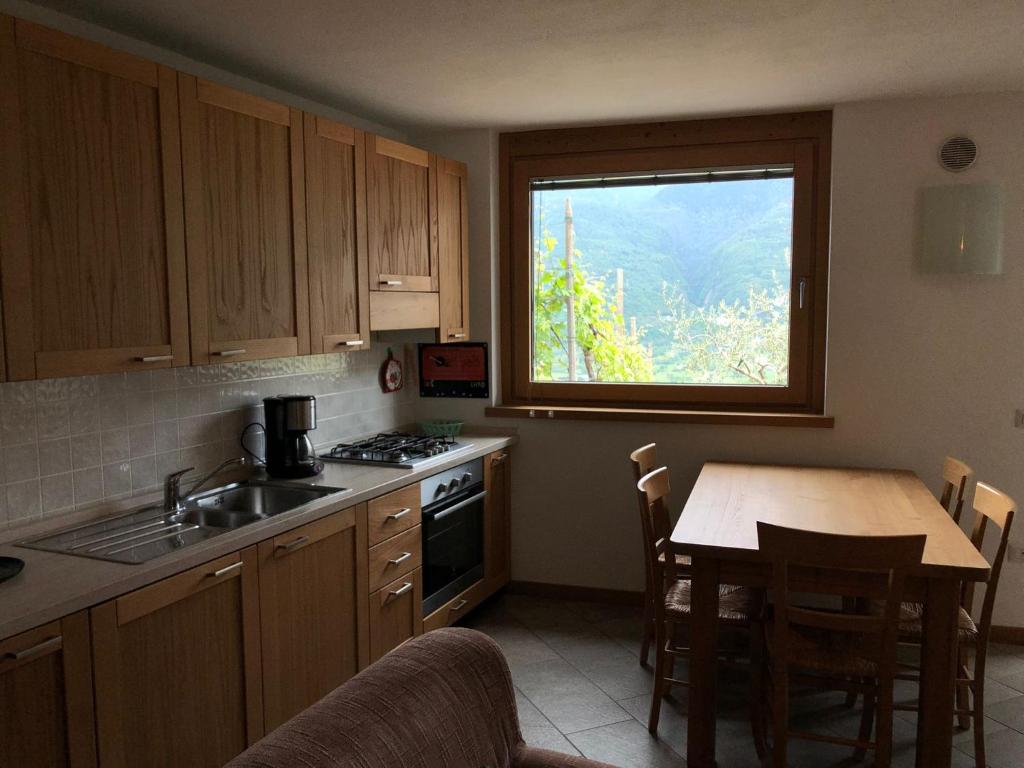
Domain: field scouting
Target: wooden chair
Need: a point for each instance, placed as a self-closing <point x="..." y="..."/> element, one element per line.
<point x="835" y="649"/>
<point x="957" y="478"/>
<point x="990" y="505"/>
<point x="643" y="461"/>
<point x="738" y="606"/>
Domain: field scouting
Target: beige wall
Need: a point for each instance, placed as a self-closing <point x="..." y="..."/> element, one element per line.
<point x="918" y="366"/>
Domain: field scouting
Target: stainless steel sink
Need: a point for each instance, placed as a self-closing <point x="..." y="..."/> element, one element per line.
<point x="151" y="532"/>
<point x="262" y="500"/>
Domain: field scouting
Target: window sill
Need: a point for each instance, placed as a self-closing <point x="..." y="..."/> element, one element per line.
<point x="737" y="418"/>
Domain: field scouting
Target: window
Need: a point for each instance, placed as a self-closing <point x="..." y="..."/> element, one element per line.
<point x="672" y="267"/>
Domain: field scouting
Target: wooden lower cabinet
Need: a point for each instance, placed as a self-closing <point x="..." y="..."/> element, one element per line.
<point x="396" y="613"/>
<point x="177" y="668"/>
<point x="313" y="612"/>
<point x="46" y="706"/>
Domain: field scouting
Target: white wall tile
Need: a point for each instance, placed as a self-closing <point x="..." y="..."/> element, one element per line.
<point x="96" y="437"/>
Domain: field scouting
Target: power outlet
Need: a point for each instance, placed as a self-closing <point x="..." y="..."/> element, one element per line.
<point x="1018" y="418"/>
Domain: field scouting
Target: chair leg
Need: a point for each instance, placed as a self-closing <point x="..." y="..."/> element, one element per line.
<point x="867" y="720"/>
<point x="963" y="700"/>
<point x="883" y="727"/>
<point x="979" y="722"/>
<point x="780" y="718"/>
<point x="757" y="672"/>
<point x="671" y="631"/>
<point x="648" y="628"/>
<point x="659" y="677"/>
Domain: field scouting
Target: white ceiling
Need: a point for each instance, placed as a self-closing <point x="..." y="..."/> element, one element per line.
<point x="515" y="63"/>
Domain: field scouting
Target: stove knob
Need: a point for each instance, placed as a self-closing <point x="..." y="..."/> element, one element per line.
<point x="453" y="484"/>
<point x="467" y="478"/>
<point x="441" y="488"/>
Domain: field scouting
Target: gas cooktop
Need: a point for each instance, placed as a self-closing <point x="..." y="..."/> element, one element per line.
<point x="394" y="449"/>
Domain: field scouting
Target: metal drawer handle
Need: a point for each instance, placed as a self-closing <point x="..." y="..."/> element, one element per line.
<point x="154" y="359"/>
<point x="459" y="605"/>
<point x="401" y="590"/>
<point x="499" y="459"/>
<point x="229" y="352"/>
<point x="456" y="335"/>
<point x="294" y="544"/>
<point x="351" y="343"/>
<point x="400" y="513"/>
<point x="401" y="558"/>
<point x="49" y="644"/>
<point x="225" y="570"/>
<point x="390" y="282"/>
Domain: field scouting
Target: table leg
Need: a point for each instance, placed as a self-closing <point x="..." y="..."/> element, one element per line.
<point x="700" y="734"/>
<point x="938" y="674"/>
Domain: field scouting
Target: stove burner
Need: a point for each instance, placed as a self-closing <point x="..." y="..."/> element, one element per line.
<point x="393" y="448"/>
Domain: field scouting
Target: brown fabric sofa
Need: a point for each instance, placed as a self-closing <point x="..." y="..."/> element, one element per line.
<point x="443" y="700"/>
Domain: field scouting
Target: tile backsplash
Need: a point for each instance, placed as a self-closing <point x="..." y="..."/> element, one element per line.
<point x="68" y="443"/>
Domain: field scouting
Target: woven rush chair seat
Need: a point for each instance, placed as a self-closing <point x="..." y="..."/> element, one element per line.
<point x="912" y="625"/>
<point x="826" y="653"/>
<point x="736" y="605"/>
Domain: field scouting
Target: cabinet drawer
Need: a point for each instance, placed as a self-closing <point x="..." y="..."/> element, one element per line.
<point x="395" y="557"/>
<point x="457" y="607"/>
<point x="396" y="613"/>
<point x="394" y="513"/>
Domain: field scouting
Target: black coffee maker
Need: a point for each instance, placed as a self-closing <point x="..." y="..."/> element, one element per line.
<point x="289" y="450"/>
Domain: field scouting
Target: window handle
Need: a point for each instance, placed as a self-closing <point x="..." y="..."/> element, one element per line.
<point x="802" y="293"/>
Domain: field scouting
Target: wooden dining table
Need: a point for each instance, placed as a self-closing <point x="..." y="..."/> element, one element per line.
<point x="718" y="530"/>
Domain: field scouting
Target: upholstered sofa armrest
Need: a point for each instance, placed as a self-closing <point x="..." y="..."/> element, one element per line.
<point x="534" y="757"/>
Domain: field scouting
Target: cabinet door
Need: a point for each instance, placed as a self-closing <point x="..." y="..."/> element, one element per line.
<point x="453" y="250"/>
<point x="46" y="708"/>
<point x="401" y="216"/>
<point x="396" y="613"/>
<point x="313" y="619"/>
<point x="245" y="224"/>
<point x="339" y="305"/>
<point x="92" y="235"/>
<point x="177" y="668"/>
<point x="497" y="520"/>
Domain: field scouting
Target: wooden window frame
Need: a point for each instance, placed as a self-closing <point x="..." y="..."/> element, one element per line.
<point x="802" y="139"/>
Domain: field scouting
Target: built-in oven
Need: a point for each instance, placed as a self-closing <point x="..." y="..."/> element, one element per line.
<point x="453" y="532"/>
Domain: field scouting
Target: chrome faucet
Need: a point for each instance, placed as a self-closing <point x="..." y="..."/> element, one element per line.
<point x="173" y="496"/>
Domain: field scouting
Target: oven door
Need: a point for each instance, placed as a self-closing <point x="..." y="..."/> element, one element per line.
<point x="453" y="546"/>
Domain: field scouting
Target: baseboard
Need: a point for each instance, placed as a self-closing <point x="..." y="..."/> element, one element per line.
<point x="570" y="592"/>
<point x="1008" y="635"/>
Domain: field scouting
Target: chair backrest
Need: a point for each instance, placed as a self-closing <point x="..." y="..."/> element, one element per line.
<point x="957" y="478"/>
<point x="642" y="461"/>
<point x="653" y="489"/>
<point x="797" y="554"/>
<point x="990" y="505"/>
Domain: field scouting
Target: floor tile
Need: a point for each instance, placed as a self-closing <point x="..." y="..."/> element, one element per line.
<point x="565" y="697"/>
<point x="1009" y="712"/>
<point x="529" y="715"/>
<point x="1005" y="749"/>
<point x="625" y="744"/>
<point x="548" y="737"/>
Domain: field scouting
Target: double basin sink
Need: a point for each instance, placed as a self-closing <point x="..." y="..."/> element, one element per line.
<point x="151" y="531"/>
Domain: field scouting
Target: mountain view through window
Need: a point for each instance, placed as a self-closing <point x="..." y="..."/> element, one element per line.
<point x="678" y="283"/>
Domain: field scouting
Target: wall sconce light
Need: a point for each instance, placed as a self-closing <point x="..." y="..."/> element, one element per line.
<point x="960" y="229"/>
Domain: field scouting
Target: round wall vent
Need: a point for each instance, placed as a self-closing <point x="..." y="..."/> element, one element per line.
<point x="958" y="154"/>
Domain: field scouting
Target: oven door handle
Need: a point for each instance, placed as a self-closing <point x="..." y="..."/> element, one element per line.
<point x="441" y="514"/>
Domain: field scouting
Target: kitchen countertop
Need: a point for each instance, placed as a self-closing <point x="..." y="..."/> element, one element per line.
<point x="54" y="585"/>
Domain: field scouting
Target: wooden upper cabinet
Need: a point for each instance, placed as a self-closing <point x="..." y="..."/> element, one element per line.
<point x="46" y="706"/>
<point x="339" y="306"/>
<point x="91" y="238"/>
<point x="313" y="612"/>
<point x="245" y="223"/>
<point x="453" y="250"/>
<point x="401" y="216"/>
<point x="177" y="668"/>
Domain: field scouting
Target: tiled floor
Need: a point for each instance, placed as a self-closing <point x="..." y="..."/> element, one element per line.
<point x="581" y="690"/>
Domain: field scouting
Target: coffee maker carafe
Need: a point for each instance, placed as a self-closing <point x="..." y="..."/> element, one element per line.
<point x="289" y="451"/>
